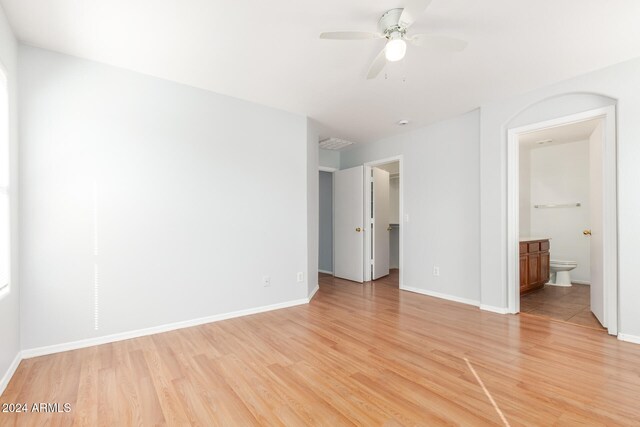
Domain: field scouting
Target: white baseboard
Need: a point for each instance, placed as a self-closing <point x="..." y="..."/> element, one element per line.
<point x="629" y="338"/>
<point x="4" y="382"/>
<point x="576" y="282"/>
<point x="555" y="284"/>
<point x="89" y="342"/>
<point x="493" y="309"/>
<point x="326" y="272"/>
<point x="581" y="282"/>
<point x="313" y="293"/>
<point x="440" y="295"/>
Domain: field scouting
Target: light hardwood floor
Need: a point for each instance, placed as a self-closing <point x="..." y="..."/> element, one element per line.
<point x="358" y="354"/>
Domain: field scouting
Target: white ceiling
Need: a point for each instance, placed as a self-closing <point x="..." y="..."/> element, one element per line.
<point x="573" y="132"/>
<point x="269" y="52"/>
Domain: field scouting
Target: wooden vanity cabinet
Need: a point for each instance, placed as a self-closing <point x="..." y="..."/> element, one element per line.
<point x="534" y="265"/>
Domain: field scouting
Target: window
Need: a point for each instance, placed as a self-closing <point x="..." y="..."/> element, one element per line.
<point x="4" y="186"/>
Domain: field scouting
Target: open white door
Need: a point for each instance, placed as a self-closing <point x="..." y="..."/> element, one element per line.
<point x="380" y="223"/>
<point x="348" y="238"/>
<point x="596" y="178"/>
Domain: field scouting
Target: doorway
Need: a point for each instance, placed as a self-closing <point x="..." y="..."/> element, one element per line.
<point x="325" y="222"/>
<point x="562" y="219"/>
<point x="383" y="246"/>
<point x="367" y="227"/>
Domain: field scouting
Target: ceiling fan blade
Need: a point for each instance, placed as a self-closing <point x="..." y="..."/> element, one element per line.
<point x="441" y="42"/>
<point x="377" y="65"/>
<point x="349" y="35"/>
<point x="412" y="11"/>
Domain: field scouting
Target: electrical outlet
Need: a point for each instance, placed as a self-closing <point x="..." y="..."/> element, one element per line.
<point x="436" y="271"/>
<point x="266" y="281"/>
<point x="300" y="277"/>
<point x="406" y="217"/>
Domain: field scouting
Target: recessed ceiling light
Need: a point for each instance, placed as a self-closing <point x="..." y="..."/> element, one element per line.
<point x="403" y="122"/>
<point x="544" y="141"/>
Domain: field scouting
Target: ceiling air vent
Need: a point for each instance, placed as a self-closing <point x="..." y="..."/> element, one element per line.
<point x="334" y="144"/>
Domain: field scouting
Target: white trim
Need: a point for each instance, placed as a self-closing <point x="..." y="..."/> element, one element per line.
<point x="5" y="190"/>
<point x="325" y="271"/>
<point x="367" y="214"/>
<point x="89" y="342"/>
<point x="368" y="234"/>
<point x="4" y="77"/>
<point x="610" y="227"/>
<point x="333" y="223"/>
<point x="12" y="370"/>
<point x="492" y="309"/>
<point x="629" y="338"/>
<point x="384" y="161"/>
<point x="326" y="169"/>
<point x="313" y="293"/>
<point x="441" y="296"/>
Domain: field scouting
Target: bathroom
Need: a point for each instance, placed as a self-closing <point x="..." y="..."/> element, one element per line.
<point x="560" y="187"/>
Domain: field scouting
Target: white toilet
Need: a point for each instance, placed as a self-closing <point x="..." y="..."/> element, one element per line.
<point x="560" y="272"/>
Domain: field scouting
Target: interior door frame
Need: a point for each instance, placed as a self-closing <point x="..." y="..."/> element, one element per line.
<point x="609" y="200"/>
<point x="333" y="183"/>
<point x="367" y="215"/>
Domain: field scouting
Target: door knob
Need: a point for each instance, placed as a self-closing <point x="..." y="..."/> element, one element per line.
<point x="358" y="229"/>
<point x="587" y="232"/>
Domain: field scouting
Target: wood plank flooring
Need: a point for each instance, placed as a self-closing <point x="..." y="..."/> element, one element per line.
<point x="570" y="304"/>
<point x="356" y="355"/>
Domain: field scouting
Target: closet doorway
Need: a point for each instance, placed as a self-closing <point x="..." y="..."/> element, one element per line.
<point x="383" y="213"/>
<point x="367" y="232"/>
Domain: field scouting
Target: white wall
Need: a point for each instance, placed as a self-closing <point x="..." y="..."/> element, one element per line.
<point x="525" y="191"/>
<point x="560" y="174"/>
<point x="190" y="198"/>
<point x="329" y="158"/>
<point x="10" y="304"/>
<point x="313" y="207"/>
<point x="441" y="196"/>
<point x="614" y="85"/>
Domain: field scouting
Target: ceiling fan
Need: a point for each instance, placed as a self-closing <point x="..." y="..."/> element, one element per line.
<point x="393" y="26"/>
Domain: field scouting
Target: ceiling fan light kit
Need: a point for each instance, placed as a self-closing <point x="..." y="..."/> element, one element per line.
<point x="396" y="48"/>
<point x="393" y="26"/>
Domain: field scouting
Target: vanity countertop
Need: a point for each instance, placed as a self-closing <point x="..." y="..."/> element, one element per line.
<point x="533" y="239"/>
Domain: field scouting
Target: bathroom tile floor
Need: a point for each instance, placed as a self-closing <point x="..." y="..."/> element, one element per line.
<point x="571" y="304"/>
